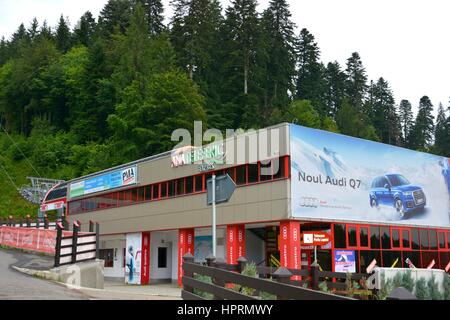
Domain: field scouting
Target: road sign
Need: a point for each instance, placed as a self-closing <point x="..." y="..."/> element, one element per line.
<point x="316" y="238"/>
<point x="225" y="187"/>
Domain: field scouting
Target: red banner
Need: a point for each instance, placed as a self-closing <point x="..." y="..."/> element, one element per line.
<point x="290" y="245"/>
<point x="40" y="240"/>
<point x="145" y="264"/>
<point x="185" y="245"/>
<point x="235" y="243"/>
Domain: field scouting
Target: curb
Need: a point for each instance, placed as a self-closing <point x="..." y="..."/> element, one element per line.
<point x="48" y="276"/>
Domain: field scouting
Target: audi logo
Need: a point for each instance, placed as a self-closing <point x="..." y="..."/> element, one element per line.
<point x="284" y="233"/>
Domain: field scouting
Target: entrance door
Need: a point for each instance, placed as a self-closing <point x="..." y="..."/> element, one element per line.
<point x="164" y="261"/>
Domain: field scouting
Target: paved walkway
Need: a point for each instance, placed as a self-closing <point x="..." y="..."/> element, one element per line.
<point x="113" y="289"/>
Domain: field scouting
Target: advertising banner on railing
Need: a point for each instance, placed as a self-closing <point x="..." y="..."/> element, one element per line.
<point x="116" y="179"/>
<point x="336" y="177"/>
<point x="39" y="240"/>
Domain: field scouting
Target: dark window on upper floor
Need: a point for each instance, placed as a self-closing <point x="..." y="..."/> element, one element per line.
<point x="339" y="236"/>
<point x="241" y="175"/>
<point x="265" y="171"/>
<point x="164" y="190"/>
<point x="375" y="237"/>
<point x="385" y="238"/>
<point x="155" y="192"/>
<point x="406" y="239"/>
<point x="433" y="239"/>
<point x="252" y="173"/>
<point x="363" y="236"/>
<point x="424" y="243"/>
<point x="415" y="244"/>
<point x="352" y="242"/>
<point x="189" y="184"/>
<point x="199" y="183"/>
<point x="180" y="187"/>
<point x="171" y="188"/>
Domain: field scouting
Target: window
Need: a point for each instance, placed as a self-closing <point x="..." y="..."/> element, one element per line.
<point x="252" y="173"/>
<point x="265" y="171"/>
<point x="339" y="236"/>
<point x="385" y="238"/>
<point x="406" y="239"/>
<point x="441" y="236"/>
<point x="375" y="237"/>
<point x="148" y="193"/>
<point x="171" y="188"/>
<point x="199" y="183"/>
<point x="433" y="239"/>
<point x="364" y="237"/>
<point x="164" y="190"/>
<point x="448" y="240"/>
<point x="230" y="172"/>
<point x="141" y="194"/>
<point x="108" y="256"/>
<point x="155" y="191"/>
<point x="351" y="231"/>
<point x="134" y="195"/>
<point x="415" y="239"/>
<point x="395" y="237"/>
<point x="189" y="185"/>
<point x="424" y="243"/>
<point x="162" y="257"/>
<point x="280" y="173"/>
<point x="180" y="186"/>
<point x="241" y="173"/>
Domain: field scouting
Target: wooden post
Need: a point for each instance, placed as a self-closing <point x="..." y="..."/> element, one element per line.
<point x="76" y="228"/>
<point x="65" y="222"/>
<point x="28" y="221"/>
<point x="59" y="233"/>
<point x="11" y="221"/>
<point x="97" y="240"/>
<point x="315" y="277"/>
<point x="220" y="264"/>
<point x="242" y="262"/>
<point x="37" y="223"/>
<point x="188" y="258"/>
<point x="282" y="275"/>
<point x="45" y="221"/>
<point x="91" y="226"/>
<point x="21" y="223"/>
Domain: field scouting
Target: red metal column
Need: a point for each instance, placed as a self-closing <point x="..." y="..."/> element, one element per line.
<point x="185" y="245"/>
<point x="235" y="243"/>
<point x="290" y="255"/>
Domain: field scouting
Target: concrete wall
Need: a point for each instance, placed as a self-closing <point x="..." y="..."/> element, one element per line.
<point x="254" y="203"/>
<point x="117" y="244"/>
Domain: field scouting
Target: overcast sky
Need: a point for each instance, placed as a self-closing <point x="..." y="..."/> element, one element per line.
<point x="405" y="41"/>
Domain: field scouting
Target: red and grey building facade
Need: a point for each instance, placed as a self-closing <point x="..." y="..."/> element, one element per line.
<point x="162" y="201"/>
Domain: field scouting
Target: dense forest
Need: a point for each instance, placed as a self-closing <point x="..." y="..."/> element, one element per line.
<point x="111" y="89"/>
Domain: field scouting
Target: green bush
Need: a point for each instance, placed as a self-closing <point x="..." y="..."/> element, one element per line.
<point x="251" y="271"/>
<point x="433" y="287"/>
<point x="200" y="293"/>
<point x="447" y="287"/>
<point x="408" y="281"/>
<point x="422" y="290"/>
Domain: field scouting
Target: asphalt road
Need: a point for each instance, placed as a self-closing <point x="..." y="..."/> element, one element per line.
<point x="17" y="286"/>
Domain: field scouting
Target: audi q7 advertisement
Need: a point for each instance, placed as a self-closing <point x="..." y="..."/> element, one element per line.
<point x="336" y="177"/>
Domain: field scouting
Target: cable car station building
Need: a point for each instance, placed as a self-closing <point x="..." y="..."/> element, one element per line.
<point x="375" y="201"/>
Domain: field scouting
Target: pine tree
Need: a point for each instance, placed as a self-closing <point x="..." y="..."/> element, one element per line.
<point x="279" y="66"/>
<point x="33" y="30"/>
<point x="85" y="29"/>
<point x="356" y="83"/>
<point x="63" y="36"/>
<point x="115" y="15"/>
<point x="442" y="133"/>
<point x="310" y="78"/>
<point x="384" y="114"/>
<point x="406" y="118"/>
<point x="46" y="31"/>
<point x="154" y="12"/>
<point x="241" y="87"/>
<point x="334" y="88"/>
<point x="3" y="51"/>
<point x="423" y="130"/>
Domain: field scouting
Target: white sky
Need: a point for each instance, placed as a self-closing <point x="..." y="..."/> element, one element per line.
<point x="405" y="41"/>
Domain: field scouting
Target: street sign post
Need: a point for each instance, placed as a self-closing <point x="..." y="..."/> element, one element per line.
<point x="219" y="190"/>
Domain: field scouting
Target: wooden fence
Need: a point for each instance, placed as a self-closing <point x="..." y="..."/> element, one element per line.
<point x="225" y="277"/>
<point x="68" y="246"/>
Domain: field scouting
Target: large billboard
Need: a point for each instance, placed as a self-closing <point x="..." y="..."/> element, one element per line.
<point x="336" y="177"/>
<point x="116" y="179"/>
